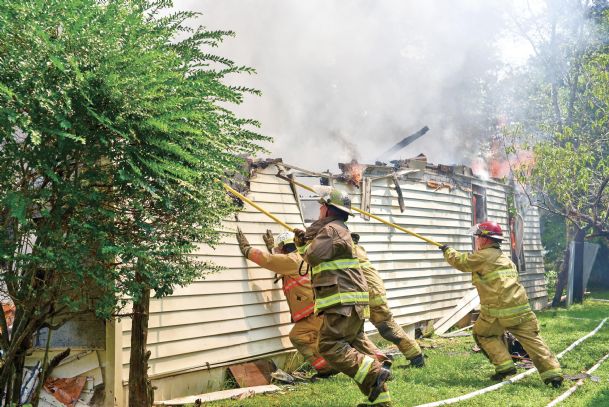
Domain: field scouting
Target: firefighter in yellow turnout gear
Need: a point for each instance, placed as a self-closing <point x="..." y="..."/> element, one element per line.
<point x="341" y="297"/>
<point x="380" y="314"/>
<point x="504" y="305"/>
<point x="287" y="263"/>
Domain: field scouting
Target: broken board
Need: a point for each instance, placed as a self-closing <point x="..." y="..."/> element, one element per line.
<point x="250" y="374"/>
<point x="465" y="305"/>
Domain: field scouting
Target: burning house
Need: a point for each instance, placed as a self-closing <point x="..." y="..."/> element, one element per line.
<point x="240" y="314"/>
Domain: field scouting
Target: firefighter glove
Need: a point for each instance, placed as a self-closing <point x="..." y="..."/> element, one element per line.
<point x="299" y="237"/>
<point x="269" y="240"/>
<point x="444" y="248"/>
<point x="244" y="245"/>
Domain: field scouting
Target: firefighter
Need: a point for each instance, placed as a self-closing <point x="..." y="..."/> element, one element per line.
<point x="504" y="306"/>
<point x="341" y="297"/>
<point x="288" y="264"/>
<point x="380" y="314"/>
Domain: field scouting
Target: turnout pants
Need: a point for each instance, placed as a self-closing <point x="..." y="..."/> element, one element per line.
<point x="488" y="333"/>
<point x="343" y="344"/>
<point x="304" y="335"/>
<point x="382" y="318"/>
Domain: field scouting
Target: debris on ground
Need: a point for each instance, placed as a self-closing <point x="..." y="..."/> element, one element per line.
<point x="244" y="395"/>
<point x="581" y="376"/>
<point x="282" y="376"/>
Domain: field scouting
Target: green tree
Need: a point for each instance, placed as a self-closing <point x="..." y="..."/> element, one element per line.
<point x="561" y="117"/>
<point x="114" y="126"/>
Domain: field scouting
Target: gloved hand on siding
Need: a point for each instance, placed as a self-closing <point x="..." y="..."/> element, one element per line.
<point x="299" y="237"/>
<point x="244" y="245"/>
<point x="269" y="240"/>
<point x="444" y="248"/>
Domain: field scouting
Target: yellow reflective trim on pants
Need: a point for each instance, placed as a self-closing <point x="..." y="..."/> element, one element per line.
<point x="383" y="397"/>
<point x="548" y="374"/>
<point x="502" y="367"/>
<point x="505" y="312"/>
<point x="378" y="300"/>
<point x="510" y="273"/>
<point x="336" y="265"/>
<point x="303" y="249"/>
<point x="353" y="297"/>
<point x="363" y="370"/>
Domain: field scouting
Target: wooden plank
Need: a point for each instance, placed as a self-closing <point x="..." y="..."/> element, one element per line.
<point x="470" y="301"/>
<point x="251" y="374"/>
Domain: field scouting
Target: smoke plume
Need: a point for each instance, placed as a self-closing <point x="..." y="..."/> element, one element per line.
<point x="348" y="79"/>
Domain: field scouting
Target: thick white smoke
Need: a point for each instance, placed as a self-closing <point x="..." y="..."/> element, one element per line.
<point x="348" y="79"/>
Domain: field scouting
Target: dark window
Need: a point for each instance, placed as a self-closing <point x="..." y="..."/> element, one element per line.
<point x="478" y="204"/>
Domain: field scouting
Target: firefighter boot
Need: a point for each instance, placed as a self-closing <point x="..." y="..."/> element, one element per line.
<point x="499" y="376"/>
<point x="556" y="382"/>
<point x="379" y="385"/>
<point x="418" y="361"/>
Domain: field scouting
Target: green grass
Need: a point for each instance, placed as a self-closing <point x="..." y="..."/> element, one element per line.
<point x="599" y="294"/>
<point x="453" y="370"/>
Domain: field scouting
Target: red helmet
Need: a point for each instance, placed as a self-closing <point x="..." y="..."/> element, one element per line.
<point x="488" y="229"/>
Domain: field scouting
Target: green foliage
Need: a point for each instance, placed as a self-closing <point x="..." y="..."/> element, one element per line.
<point x="114" y="126"/>
<point x="552" y="233"/>
<point x="561" y="119"/>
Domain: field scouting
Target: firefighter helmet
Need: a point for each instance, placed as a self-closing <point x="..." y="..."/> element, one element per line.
<point x="488" y="229"/>
<point x="284" y="238"/>
<point x="334" y="197"/>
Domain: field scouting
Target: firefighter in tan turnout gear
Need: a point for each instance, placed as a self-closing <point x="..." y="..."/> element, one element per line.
<point x="341" y="297"/>
<point x="380" y="314"/>
<point x="288" y="264"/>
<point x="503" y="306"/>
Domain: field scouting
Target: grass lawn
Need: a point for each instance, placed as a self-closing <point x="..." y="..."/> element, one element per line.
<point x="453" y="370"/>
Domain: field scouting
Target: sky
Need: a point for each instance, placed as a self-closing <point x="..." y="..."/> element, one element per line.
<point x="344" y="80"/>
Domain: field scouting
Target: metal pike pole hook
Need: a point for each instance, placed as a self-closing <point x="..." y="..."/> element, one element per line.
<point x="255" y="205"/>
<point x="393" y="225"/>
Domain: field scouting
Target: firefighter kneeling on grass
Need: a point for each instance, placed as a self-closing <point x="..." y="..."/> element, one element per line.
<point x="504" y="306"/>
<point x="287" y="263"/>
<point x="341" y="297"/>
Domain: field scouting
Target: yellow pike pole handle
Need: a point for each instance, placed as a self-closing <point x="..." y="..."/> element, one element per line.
<point x="255" y="205"/>
<point x="393" y="225"/>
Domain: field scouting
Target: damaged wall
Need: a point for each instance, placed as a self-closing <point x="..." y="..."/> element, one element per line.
<point x="239" y="313"/>
<point x="229" y="316"/>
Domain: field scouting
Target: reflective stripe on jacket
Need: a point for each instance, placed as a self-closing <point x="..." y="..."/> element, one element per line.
<point x="496" y="278"/>
<point x="376" y="288"/>
<point x="297" y="289"/>
<point x="337" y="278"/>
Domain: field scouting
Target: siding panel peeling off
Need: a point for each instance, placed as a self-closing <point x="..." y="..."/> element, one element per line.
<point x="240" y="313"/>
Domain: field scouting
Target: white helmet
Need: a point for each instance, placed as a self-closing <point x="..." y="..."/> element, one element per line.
<point x="284" y="238"/>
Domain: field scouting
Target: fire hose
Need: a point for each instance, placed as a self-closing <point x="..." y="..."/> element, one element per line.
<point x="390" y="224"/>
<point x="513" y="379"/>
<point x="580" y="382"/>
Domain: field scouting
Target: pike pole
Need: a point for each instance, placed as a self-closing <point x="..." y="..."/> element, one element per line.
<point x="393" y="225"/>
<point x="255" y="205"/>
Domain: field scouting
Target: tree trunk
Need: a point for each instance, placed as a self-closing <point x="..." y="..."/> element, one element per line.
<point x="563" y="278"/>
<point x="18" y="378"/>
<point x="140" y="389"/>
<point x="578" y="267"/>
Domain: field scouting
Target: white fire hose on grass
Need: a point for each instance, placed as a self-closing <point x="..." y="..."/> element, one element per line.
<point x="512" y="379"/>
<point x="566" y="394"/>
